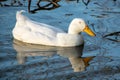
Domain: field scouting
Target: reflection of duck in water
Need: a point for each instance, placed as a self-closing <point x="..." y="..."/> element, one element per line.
<point x="72" y="53"/>
<point x="25" y="50"/>
<point x="79" y="64"/>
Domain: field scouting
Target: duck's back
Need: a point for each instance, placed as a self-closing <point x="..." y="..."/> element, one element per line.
<point x="30" y="31"/>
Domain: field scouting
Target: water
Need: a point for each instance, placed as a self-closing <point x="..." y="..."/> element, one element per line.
<point x="98" y="59"/>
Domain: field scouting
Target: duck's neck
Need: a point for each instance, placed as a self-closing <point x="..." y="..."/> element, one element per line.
<point x="73" y="30"/>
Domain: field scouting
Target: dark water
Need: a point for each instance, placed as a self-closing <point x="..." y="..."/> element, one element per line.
<point x="98" y="59"/>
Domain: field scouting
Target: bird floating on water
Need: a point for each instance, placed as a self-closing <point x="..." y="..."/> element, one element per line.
<point x="29" y="31"/>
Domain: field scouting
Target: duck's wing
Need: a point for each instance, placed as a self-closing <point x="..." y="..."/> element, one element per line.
<point x="40" y="33"/>
<point x="36" y="37"/>
<point x="30" y="31"/>
<point x="42" y="28"/>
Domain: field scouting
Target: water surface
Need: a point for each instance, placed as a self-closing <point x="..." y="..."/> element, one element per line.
<point x="99" y="58"/>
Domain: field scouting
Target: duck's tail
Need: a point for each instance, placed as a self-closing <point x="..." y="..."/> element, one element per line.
<point x="21" y="11"/>
<point x="20" y="16"/>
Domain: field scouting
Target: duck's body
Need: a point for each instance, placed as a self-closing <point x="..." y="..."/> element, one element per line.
<point x="33" y="32"/>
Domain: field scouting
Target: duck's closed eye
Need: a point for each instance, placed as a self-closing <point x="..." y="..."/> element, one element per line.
<point x="80" y="22"/>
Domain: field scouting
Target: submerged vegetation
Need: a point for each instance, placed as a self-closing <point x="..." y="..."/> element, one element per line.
<point x="115" y="36"/>
<point x="54" y="2"/>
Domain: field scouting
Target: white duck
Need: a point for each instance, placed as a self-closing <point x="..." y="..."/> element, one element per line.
<point x="33" y="32"/>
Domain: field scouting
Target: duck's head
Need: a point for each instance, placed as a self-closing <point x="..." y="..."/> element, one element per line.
<point x="78" y="25"/>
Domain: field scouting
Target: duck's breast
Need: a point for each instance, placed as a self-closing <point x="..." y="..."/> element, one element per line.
<point x="68" y="40"/>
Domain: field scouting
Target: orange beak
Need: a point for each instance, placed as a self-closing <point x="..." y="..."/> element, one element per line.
<point x="89" y="31"/>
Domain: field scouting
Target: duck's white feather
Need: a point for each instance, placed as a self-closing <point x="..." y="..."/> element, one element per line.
<point x="29" y="31"/>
